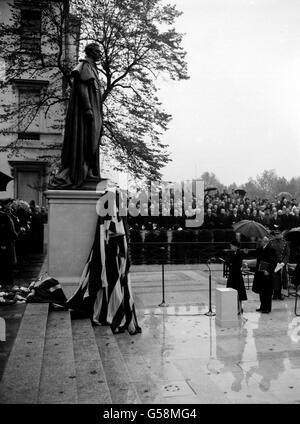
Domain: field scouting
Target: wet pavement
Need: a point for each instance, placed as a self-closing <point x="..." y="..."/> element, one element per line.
<point x="12" y="314"/>
<point x="182" y="356"/>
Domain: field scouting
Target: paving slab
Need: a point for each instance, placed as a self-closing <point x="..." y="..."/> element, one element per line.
<point x="21" y="378"/>
<point x="91" y="381"/>
<point x="58" y="376"/>
<point x="121" y="387"/>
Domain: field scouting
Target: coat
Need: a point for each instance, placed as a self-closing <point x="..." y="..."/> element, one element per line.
<point x="268" y="255"/>
<point x="235" y="278"/>
<point x="80" y="151"/>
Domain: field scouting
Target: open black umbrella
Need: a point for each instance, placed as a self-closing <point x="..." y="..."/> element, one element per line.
<point x="250" y="229"/>
<point x="4" y="180"/>
<point x="293" y="234"/>
<point x="210" y="189"/>
<point x="285" y="194"/>
<point x="240" y="191"/>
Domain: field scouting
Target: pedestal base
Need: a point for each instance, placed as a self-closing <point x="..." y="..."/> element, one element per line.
<point x="226" y="307"/>
<point x="72" y="224"/>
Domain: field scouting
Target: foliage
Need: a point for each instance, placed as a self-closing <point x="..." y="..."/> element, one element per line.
<point x="210" y="180"/>
<point x="138" y="45"/>
<point x="266" y="185"/>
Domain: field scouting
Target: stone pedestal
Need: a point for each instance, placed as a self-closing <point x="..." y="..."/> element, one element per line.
<point x="72" y="219"/>
<point x="226" y="307"/>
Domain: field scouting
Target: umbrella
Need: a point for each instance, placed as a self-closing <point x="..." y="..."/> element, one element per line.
<point x="250" y="228"/>
<point x="240" y="191"/>
<point x="285" y="194"/>
<point x="4" y="180"/>
<point x="293" y="234"/>
<point x="210" y="189"/>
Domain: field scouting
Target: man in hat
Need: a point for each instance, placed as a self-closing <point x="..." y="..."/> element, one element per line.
<point x="263" y="281"/>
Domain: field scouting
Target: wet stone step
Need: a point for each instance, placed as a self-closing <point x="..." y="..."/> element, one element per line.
<point x="58" y="377"/>
<point x="21" y="378"/>
<point x="91" y="381"/>
<point x="122" y="389"/>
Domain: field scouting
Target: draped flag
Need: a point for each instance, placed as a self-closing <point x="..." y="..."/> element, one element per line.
<point x="46" y="290"/>
<point x="104" y="290"/>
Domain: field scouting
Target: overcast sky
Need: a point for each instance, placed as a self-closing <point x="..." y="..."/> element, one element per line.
<point x="239" y="113"/>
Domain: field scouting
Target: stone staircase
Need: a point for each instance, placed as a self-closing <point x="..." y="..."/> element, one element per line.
<point x="59" y="360"/>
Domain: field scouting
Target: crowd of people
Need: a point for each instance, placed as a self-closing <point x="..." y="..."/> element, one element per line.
<point x="221" y="211"/>
<point x="21" y="232"/>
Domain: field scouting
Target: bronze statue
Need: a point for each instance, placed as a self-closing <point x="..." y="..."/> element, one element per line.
<point x="80" y="151"/>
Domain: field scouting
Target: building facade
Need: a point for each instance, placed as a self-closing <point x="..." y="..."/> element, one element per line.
<point x="39" y="45"/>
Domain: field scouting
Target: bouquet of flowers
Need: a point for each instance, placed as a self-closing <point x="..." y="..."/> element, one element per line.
<point x="20" y="205"/>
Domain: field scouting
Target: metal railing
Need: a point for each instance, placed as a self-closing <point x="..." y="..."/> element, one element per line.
<point x="158" y="252"/>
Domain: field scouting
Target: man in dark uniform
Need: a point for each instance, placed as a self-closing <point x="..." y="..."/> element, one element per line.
<point x="263" y="281"/>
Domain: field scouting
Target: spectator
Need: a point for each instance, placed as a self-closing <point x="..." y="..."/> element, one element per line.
<point x="209" y="219"/>
<point x="255" y="215"/>
<point x="44" y="214"/>
<point x="37" y="230"/>
<point x="234" y="216"/>
<point x="248" y="215"/>
<point x="282" y="254"/>
<point x="8" y="235"/>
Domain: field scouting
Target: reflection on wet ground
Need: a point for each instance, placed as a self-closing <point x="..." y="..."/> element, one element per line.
<point x="182" y="356"/>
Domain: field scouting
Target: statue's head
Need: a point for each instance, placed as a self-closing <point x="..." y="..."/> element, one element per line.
<point x="92" y="50"/>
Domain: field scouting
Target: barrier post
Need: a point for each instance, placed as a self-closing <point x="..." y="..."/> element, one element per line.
<point x="163" y="303"/>
<point x="210" y="313"/>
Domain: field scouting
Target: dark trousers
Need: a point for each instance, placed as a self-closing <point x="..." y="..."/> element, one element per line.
<point x="277" y="285"/>
<point x="266" y="295"/>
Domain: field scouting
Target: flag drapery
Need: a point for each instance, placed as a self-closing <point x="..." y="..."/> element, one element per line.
<point x="104" y="290"/>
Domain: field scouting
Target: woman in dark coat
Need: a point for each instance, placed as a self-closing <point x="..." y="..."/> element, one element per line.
<point x="235" y="278"/>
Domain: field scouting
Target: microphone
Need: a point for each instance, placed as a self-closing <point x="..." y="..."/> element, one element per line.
<point x="213" y="259"/>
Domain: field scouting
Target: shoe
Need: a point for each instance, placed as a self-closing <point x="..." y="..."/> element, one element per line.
<point x="265" y="312"/>
<point x="258" y="309"/>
